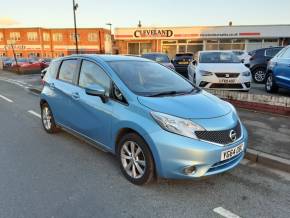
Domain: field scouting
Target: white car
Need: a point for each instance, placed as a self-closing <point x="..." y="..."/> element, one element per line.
<point x="219" y="70"/>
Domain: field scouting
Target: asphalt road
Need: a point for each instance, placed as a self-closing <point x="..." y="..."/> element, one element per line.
<point x="44" y="175"/>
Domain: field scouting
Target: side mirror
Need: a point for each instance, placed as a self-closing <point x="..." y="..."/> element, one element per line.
<point x="97" y="90"/>
<point x="172" y="61"/>
<point x="194" y="62"/>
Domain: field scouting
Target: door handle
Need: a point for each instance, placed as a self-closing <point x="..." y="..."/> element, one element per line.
<point x="75" y="95"/>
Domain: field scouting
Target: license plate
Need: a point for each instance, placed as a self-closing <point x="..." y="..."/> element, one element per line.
<point x="232" y="152"/>
<point x="183" y="62"/>
<point x="227" y="80"/>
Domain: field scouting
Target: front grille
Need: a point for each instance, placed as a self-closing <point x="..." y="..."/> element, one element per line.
<point x="220" y="137"/>
<point x="227" y="75"/>
<point x="226" y="86"/>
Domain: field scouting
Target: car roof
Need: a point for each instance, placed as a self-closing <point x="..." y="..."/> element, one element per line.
<point x="155" y="53"/>
<point x="109" y="58"/>
<point x="261" y="49"/>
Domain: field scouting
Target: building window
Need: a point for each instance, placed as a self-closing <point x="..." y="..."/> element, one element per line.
<point x="139" y="48"/>
<point x="108" y="37"/>
<point x="57" y="37"/>
<point x="93" y="37"/>
<point x="72" y="37"/>
<point x="32" y="36"/>
<point x="46" y="37"/>
<point x="15" y="36"/>
<point x="1" y="36"/>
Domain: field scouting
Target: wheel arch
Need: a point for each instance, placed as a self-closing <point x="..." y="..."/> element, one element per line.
<point x="126" y="130"/>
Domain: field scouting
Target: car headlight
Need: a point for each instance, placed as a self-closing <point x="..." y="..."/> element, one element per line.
<point x="177" y="125"/>
<point x="246" y="73"/>
<point x="205" y="73"/>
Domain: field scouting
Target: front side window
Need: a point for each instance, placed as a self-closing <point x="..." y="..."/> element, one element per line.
<point x="67" y="70"/>
<point x="52" y="70"/>
<point x="93" y="74"/>
<point x="150" y="78"/>
<point x="218" y="57"/>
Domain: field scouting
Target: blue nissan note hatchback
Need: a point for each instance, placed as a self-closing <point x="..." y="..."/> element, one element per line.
<point x="155" y="121"/>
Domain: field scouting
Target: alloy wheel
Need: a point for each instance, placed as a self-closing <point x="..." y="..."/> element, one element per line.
<point x="46" y="118"/>
<point x="269" y="82"/>
<point x="133" y="159"/>
<point x="260" y="76"/>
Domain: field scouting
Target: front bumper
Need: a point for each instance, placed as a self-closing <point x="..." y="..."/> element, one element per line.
<point x="173" y="153"/>
<point x="213" y="82"/>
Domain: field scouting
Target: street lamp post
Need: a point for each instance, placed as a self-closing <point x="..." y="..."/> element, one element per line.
<point x="75" y="7"/>
<point x="109" y="24"/>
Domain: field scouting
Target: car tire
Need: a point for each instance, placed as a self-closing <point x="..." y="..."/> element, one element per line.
<point x="47" y="119"/>
<point x="137" y="166"/>
<point x="270" y="85"/>
<point x="259" y="75"/>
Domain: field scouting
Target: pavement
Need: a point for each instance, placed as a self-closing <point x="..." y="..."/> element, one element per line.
<point x="58" y="175"/>
<point x="260" y="90"/>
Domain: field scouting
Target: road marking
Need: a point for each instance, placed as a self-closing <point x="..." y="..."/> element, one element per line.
<point x="34" y="113"/>
<point x="6" y="99"/>
<point x="225" y="213"/>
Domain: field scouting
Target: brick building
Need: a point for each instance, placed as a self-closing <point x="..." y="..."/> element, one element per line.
<point x="43" y="42"/>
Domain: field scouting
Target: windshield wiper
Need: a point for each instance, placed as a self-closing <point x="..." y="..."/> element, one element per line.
<point x="168" y="93"/>
<point x="164" y="93"/>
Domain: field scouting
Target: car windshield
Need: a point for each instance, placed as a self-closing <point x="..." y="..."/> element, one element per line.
<point x="150" y="79"/>
<point x="218" y="57"/>
<point x="183" y="56"/>
<point x="160" y="58"/>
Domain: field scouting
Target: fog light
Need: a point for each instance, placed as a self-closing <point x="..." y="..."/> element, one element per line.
<point x="189" y="170"/>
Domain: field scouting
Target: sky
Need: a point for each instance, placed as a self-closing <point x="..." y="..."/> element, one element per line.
<point x="127" y="13"/>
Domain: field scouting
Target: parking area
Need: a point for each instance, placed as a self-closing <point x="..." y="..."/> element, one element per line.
<point x="61" y="176"/>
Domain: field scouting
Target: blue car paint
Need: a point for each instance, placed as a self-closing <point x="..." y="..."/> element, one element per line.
<point x="171" y="152"/>
<point x="281" y="70"/>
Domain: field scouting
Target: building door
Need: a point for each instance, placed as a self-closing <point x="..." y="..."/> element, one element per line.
<point x="170" y="50"/>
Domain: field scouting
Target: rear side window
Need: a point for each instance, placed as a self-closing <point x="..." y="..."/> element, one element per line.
<point x="93" y="74"/>
<point x="52" y="70"/>
<point x="67" y="70"/>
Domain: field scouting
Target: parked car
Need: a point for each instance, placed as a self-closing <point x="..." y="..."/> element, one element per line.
<point x="7" y="62"/>
<point x="259" y="60"/>
<point x="219" y="70"/>
<point x="278" y="71"/>
<point x="30" y="64"/>
<point x="20" y="62"/>
<point x="154" y="120"/>
<point x="161" y="58"/>
<point x="181" y="62"/>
